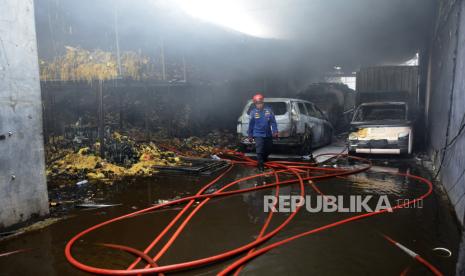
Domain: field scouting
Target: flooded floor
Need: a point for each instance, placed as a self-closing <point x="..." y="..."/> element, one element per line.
<point x="356" y="248"/>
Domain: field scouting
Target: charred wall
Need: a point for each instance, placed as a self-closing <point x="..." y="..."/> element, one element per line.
<point x="179" y="110"/>
<point x="445" y="101"/>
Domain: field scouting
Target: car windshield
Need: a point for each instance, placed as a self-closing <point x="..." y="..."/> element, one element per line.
<point x="278" y="108"/>
<point x="380" y="112"/>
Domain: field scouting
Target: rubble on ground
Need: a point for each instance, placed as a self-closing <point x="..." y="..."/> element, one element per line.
<point x="86" y="164"/>
<point x="207" y="145"/>
<point x="127" y="158"/>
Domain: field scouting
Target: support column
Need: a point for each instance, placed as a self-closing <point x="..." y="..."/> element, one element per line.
<point x="23" y="189"/>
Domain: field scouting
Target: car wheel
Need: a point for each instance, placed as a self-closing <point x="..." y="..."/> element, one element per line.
<point x="306" y="147"/>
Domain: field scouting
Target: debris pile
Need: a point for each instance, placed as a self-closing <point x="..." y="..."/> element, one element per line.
<point x="79" y="64"/>
<point x="221" y="139"/>
<point x="86" y="164"/>
<point x="83" y="165"/>
<point x="151" y="156"/>
<point x="207" y="145"/>
<point x="126" y="158"/>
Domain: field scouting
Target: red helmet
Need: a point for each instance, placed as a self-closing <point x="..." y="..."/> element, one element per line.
<point x="258" y="98"/>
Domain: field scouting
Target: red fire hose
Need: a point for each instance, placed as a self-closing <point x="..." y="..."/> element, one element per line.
<point x="296" y="169"/>
<point x="414" y="255"/>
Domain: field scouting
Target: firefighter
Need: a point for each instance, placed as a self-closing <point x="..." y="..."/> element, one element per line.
<point x="262" y="128"/>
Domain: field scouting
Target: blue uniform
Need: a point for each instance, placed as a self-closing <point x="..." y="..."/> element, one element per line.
<point x="262" y="126"/>
<point x="262" y="123"/>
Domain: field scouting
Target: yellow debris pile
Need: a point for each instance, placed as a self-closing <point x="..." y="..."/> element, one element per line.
<point x="126" y="158"/>
<point x="79" y="64"/>
<point x="199" y="146"/>
<point x="80" y="164"/>
<point x="150" y="156"/>
<point x="84" y="164"/>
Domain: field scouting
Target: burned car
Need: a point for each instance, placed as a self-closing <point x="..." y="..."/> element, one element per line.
<point x="300" y="123"/>
<point x="381" y="128"/>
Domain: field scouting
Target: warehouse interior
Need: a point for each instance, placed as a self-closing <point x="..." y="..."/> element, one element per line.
<point x="126" y="121"/>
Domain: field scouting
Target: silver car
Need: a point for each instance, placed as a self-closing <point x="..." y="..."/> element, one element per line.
<point x="300" y="124"/>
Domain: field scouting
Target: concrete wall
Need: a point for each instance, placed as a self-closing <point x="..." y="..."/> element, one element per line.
<point x="446" y="101"/>
<point x="23" y="190"/>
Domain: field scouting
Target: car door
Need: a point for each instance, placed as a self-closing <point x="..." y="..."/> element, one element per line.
<point x="317" y="124"/>
<point x="281" y="110"/>
<point x="298" y="117"/>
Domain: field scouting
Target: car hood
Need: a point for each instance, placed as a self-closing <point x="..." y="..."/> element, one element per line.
<point x="382" y="123"/>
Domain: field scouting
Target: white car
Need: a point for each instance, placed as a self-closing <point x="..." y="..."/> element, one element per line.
<point x="381" y="128"/>
<point x="300" y="123"/>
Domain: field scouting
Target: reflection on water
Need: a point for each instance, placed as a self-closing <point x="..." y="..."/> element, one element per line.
<point x="379" y="183"/>
<point x="226" y="223"/>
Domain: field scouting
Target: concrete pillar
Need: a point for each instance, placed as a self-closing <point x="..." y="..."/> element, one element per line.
<point x="23" y="188"/>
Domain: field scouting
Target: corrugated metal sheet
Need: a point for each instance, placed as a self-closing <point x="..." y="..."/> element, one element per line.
<point x="389" y="78"/>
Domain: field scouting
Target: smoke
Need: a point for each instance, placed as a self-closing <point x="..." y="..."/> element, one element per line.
<point x="310" y="37"/>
